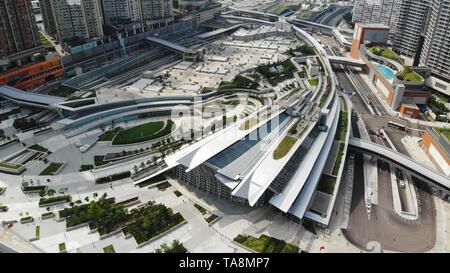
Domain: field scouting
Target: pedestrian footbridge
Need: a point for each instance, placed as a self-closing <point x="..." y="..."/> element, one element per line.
<point x="346" y="61"/>
<point x="188" y="54"/>
<point x="169" y="45"/>
<point x="402" y="162"/>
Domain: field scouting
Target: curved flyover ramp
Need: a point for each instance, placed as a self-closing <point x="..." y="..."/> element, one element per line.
<point x="404" y="162"/>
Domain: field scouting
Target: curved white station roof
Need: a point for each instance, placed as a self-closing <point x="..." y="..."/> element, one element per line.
<point x="285" y="199"/>
<point x="198" y="153"/>
<point x="29" y="97"/>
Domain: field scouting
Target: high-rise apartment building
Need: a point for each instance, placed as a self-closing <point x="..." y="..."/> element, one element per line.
<point x="121" y="11"/>
<point x="384" y="12"/>
<point x="190" y="5"/>
<point x="410" y="27"/>
<point x="72" y="19"/>
<point x="156" y="9"/>
<point x="18" y="30"/>
<point x="48" y="15"/>
<point x="435" y="51"/>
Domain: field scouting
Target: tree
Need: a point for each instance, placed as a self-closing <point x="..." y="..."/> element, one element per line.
<point x="42" y="192"/>
<point x="175" y="247"/>
<point x="51" y="192"/>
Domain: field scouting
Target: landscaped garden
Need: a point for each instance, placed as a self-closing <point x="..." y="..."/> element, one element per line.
<point x="177" y="193"/>
<point x="47" y="215"/>
<point x="175" y="247"/>
<point x="52" y="168"/>
<point x="385" y="52"/>
<point x="200" y="208"/>
<point x="38" y="148"/>
<point x="113" y="177"/>
<point x="151" y="220"/>
<point x="151" y="181"/>
<point x="342" y="126"/>
<point x="109" y="249"/>
<point x="266" y="244"/>
<point x="339" y="156"/>
<point x="3" y="208"/>
<point x="277" y="72"/>
<point x="62" y="247"/>
<point x="62" y="198"/>
<point x="408" y="75"/>
<point x="326" y="184"/>
<point x="8" y="165"/>
<point x="45" y="42"/>
<point x="211" y="218"/>
<point x="284" y="147"/>
<point x="163" y="186"/>
<point x="109" y="135"/>
<point x="144" y="132"/>
<point x="239" y="82"/>
<point x="445" y="132"/>
<point x="314" y="82"/>
<point x="104" y="215"/>
<point x="305" y="49"/>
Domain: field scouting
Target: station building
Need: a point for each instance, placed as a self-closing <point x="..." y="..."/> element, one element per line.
<point x="35" y="74"/>
<point x="436" y="144"/>
<point x="403" y="87"/>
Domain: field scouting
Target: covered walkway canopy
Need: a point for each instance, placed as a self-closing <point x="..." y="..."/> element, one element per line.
<point x="169" y="45"/>
<point x="219" y="31"/>
<point x="346" y="61"/>
<point x="28" y="98"/>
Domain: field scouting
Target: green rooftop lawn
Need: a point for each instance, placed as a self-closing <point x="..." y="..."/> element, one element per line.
<point x="109" y="135"/>
<point x="445" y="132"/>
<point x="409" y="76"/>
<point x="275" y="78"/>
<point x="62" y="247"/>
<point x="200" y="208"/>
<point x="37" y="231"/>
<point x="284" y="147"/>
<point x="326" y="184"/>
<point x="342" y="126"/>
<point x="279" y="9"/>
<point x="109" y="249"/>
<point x="10" y="165"/>
<point x="266" y="244"/>
<point x="144" y="132"/>
<point x="45" y="42"/>
<point x="52" y="168"/>
<point x="314" y="82"/>
<point x="305" y="14"/>
<point x="387" y="53"/>
<point x="338" y="161"/>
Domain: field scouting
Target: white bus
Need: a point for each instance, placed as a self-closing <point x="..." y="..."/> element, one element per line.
<point x="397" y="125"/>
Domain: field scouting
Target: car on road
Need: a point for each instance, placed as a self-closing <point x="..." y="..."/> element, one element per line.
<point x="402" y="184"/>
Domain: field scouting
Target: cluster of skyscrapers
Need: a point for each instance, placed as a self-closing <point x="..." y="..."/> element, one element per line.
<point x="18" y="30"/>
<point x="420" y="30"/>
<point x="67" y="20"/>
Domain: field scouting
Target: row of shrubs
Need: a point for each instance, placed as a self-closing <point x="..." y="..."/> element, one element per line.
<point x="44" y="201"/>
<point x="113" y="177"/>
